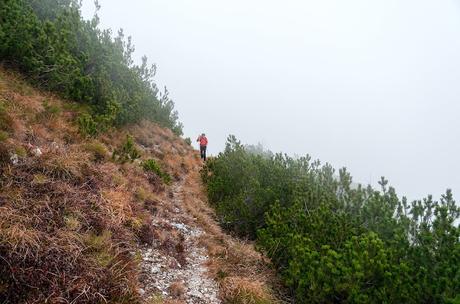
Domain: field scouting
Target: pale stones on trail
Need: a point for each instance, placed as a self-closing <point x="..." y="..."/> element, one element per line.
<point x="37" y="152"/>
<point x="14" y="159"/>
<point x="162" y="272"/>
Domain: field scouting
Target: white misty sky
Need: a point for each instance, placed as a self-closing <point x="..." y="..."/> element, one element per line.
<point x="369" y="85"/>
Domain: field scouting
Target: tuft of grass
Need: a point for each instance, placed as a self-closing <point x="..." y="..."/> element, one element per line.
<point x="39" y="179"/>
<point x="151" y="165"/>
<point x="98" y="151"/>
<point x="141" y="194"/>
<point x="20" y="151"/>
<point x="20" y="86"/>
<point x="3" y="136"/>
<point x="98" y="242"/>
<point x="118" y="179"/>
<point x="138" y="257"/>
<point x="6" y="122"/>
<point x="72" y="222"/>
<point x="87" y="126"/>
<point x="104" y="258"/>
<point x="156" y="299"/>
<point x="135" y="223"/>
<point x="99" y="246"/>
<point x="65" y="166"/>
<point x="221" y="274"/>
<point x="127" y="152"/>
<point x="76" y="107"/>
<point x="50" y="111"/>
<point x="4" y="153"/>
<point x="237" y="290"/>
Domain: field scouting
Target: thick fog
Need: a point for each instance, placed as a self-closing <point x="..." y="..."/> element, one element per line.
<point x="370" y="85"/>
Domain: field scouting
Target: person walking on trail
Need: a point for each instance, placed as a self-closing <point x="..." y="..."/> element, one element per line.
<point x="203" y="144"/>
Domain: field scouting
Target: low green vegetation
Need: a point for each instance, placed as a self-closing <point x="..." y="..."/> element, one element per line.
<point x="20" y="151"/>
<point x="5" y="120"/>
<point x="3" y="136"/>
<point x="88" y="126"/>
<point x="50" y="111"/>
<point x="151" y="165"/>
<point x="127" y="151"/>
<point x="334" y="241"/>
<point x="98" y="151"/>
<point x="99" y="246"/>
<point x="57" y="50"/>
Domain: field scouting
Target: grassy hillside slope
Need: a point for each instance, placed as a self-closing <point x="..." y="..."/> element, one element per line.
<point x="75" y="221"/>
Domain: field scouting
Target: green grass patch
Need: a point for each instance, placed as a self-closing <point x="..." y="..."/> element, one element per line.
<point x="127" y="152"/>
<point x="87" y="125"/>
<point x="6" y="122"/>
<point x="3" y="136"/>
<point x="98" y="151"/>
<point x="151" y="165"/>
<point x="20" y="151"/>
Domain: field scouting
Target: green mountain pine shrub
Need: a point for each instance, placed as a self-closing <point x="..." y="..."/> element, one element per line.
<point x="333" y="241"/>
<point x="151" y="165"/>
<point x="127" y="151"/>
<point x="57" y="50"/>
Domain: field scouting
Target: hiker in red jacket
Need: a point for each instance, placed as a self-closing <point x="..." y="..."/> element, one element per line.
<point x="203" y="144"/>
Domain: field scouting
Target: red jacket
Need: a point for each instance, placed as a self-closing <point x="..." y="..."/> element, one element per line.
<point x="203" y="140"/>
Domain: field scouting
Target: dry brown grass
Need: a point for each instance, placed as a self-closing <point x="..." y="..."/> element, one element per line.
<point x="70" y="219"/>
<point x="177" y="289"/>
<point x="244" y="275"/>
<point x="42" y="233"/>
<point x="66" y="232"/>
<point x="237" y="290"/>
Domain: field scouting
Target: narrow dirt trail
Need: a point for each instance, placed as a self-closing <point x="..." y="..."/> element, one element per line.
<point x="178" y="273"/>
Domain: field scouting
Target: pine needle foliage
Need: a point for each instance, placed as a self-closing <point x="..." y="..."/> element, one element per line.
<point x="127" y="152"/>
<point x="334" y="241"/>
<point x="51" y="44"/>
<point x="151" y="165"/>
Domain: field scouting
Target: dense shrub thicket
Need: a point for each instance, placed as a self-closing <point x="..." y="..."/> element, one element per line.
<point x="56" y="49"/>
<point x="334" y="241"/>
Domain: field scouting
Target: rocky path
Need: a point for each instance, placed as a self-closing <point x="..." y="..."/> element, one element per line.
<point x="180" y="274"/>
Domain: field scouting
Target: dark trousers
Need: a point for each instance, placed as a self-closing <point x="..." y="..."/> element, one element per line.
<point x="203" y="152"/>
